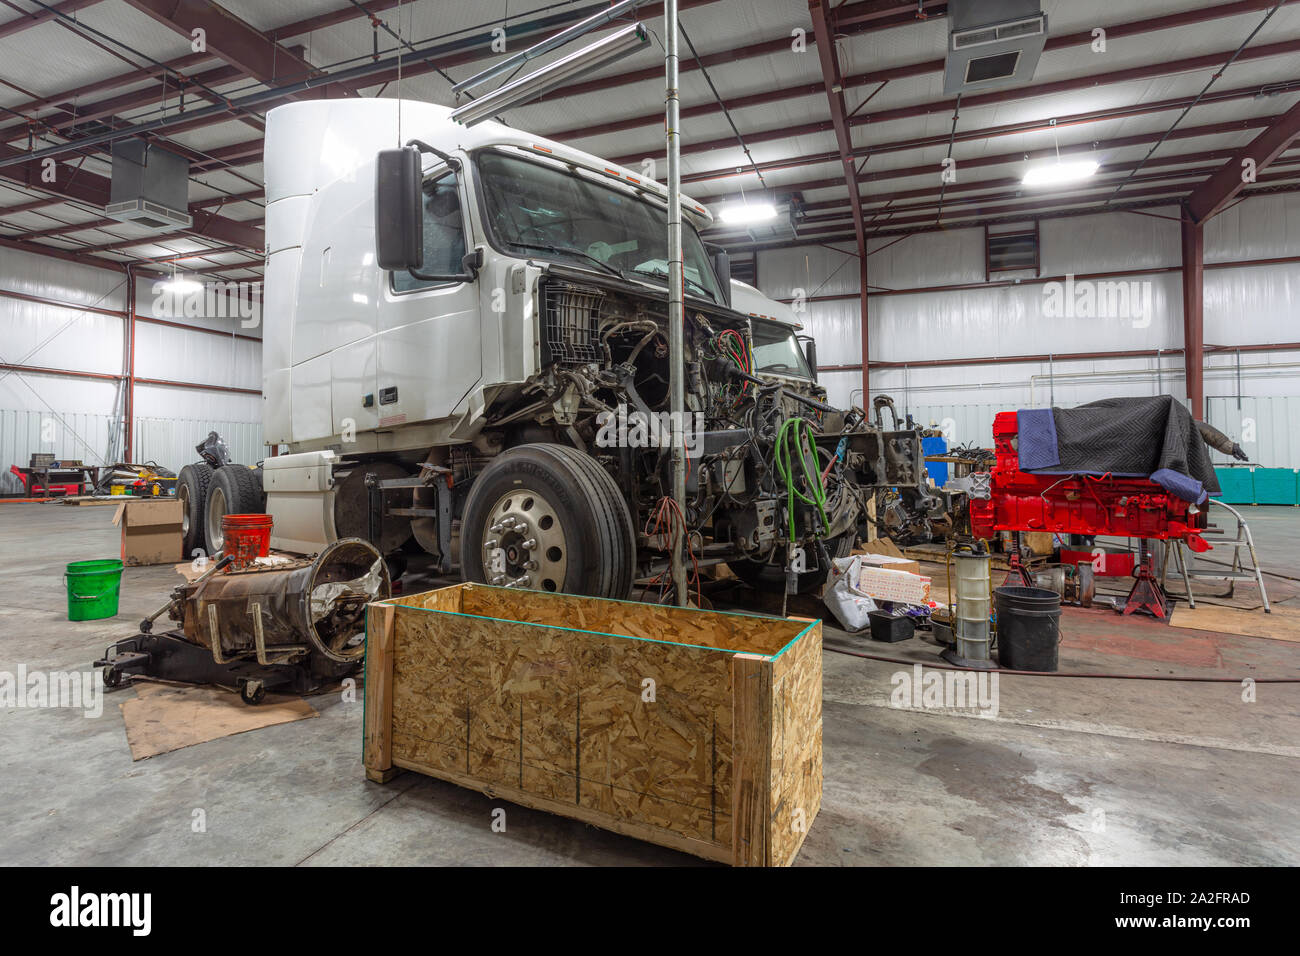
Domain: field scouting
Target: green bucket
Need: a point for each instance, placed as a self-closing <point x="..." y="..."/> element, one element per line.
<point x="93" y="588"/>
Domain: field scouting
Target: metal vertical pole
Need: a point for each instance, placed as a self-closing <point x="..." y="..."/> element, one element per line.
<point x="1193" y="245"/>
<point x="676" y="304"/>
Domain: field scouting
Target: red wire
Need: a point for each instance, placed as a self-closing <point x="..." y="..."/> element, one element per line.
<point x="667" y="519"/>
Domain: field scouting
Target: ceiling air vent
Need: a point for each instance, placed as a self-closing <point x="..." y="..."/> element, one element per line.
<point x="150" y="186"/>
<point x="992" y="43"/>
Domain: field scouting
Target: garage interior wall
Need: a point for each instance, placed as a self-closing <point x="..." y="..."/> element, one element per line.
<point x="81" y="416"/>
<point x="1252" y="396"/>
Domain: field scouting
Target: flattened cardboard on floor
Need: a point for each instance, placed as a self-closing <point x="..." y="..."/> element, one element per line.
<point x="151" y="531"/>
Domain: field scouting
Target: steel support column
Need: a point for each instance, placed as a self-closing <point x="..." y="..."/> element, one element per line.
<point x="1193" y="235"/>
<point x="676" y="305"/>
<point x="834" y="84"/>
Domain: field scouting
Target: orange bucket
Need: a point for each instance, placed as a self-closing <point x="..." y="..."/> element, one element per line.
<point x="246" y="537"/>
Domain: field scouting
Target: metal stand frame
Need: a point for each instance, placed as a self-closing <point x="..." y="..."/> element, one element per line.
<point x="1147" y="594"/>
<point x="1236" y="571"/>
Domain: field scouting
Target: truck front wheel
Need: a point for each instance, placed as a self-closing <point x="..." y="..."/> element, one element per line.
<point x="547" y="517"/>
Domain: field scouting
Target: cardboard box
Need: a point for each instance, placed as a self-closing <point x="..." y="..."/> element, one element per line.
<point x="1039" y="542"/>
<point x="891" y="563"/>
<point x="879" y="546"/>
<point x="151" y="531"/>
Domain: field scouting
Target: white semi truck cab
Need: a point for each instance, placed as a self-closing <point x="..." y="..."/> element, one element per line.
<point x="465" y="351"/>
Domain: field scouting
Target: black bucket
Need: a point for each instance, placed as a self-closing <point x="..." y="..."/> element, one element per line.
<point x="1029" y="628"/>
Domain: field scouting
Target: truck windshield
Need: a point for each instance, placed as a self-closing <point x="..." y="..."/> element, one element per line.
<point x="777" y="350"/>
<point x="535" y="208"/>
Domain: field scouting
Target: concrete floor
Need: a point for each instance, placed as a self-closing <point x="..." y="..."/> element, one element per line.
<point x="1071" y="771"/>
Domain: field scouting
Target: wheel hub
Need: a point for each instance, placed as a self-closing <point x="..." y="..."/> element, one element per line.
<point x="523" y="544"/>
<point x="216" y="511"/>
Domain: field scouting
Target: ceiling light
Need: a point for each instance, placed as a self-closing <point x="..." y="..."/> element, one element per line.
<point x="179" y="285"/>
<point x="747" y="212"/>
<point x="1054" y="174"/>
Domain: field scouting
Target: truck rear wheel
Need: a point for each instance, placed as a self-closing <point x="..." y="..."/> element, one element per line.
<point x="547" y="517"/>
<point x="192" y="492"/>
<point x="234" y="490"/>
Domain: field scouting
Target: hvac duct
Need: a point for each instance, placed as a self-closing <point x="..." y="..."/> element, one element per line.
<point x="992" y="44"/>
<point x="150" y="186"/>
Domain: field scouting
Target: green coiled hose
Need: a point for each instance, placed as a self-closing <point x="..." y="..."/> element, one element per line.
<point x="796" y="438"/>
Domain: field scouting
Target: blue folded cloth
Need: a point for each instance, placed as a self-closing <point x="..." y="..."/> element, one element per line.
<point x="1037" y="441"/>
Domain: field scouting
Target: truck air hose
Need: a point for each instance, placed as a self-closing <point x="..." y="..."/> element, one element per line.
<point x="796" y="438"/>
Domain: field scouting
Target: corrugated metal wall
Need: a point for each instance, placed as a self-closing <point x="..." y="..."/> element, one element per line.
<point x="82" y="418"/>
<point x="76" y="435"/>
<point x="1243" y="306"/>
<point x="170" y="442"/>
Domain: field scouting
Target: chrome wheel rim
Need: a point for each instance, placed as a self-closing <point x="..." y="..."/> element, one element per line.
<point x="216" y="511"/>
<point x="523" y="543"/>
<point x="183" y="493"/>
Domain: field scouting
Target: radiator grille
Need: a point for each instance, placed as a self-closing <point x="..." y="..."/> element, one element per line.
<point x="572" y="322"/>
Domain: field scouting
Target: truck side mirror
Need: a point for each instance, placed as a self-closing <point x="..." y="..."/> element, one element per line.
<point x="810" y="353"/>
<point x="722" y="269"/>
<point x="399" y="223"/>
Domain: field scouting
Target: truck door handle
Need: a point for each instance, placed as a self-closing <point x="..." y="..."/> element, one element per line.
<point x="388" y="396"/>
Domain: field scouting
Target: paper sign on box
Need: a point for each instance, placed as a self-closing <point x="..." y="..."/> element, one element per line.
<point x="901" y="586"/>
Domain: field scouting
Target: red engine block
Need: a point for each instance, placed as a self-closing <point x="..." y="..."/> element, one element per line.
<point x="1077" y="504"/>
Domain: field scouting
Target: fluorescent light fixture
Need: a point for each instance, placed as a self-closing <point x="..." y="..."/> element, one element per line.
<point x="744" y="212"/>
<point x="577" y="64"/>
<point x="1055" y="174"/>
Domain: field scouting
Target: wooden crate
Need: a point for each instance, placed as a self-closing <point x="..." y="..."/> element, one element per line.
<point x="545" y="700"/>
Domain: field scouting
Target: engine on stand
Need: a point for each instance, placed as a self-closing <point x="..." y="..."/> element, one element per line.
<point x="1083" y="504"/>
<point x="267" y="623"/>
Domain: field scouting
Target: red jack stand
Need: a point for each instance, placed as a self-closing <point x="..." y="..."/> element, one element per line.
<point x="1017" y="573"/>
<point x="1147" y="594"/>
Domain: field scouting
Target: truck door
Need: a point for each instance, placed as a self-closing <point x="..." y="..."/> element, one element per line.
<point x="429" y="341"/>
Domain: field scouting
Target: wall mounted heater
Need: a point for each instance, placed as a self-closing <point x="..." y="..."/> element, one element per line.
<point x="992" y="43"/>
<point x="150" y="186"/>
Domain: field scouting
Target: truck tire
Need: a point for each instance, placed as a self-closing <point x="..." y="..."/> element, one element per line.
<point x="261" y="489"/>
<point x="771" y="577"/>
<point x="555" y="508"/>
<point x="192" y="491"/>
<point x="234" y="491"/>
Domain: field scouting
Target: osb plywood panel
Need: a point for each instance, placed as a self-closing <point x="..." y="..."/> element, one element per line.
<point x="648" y="621"/>
<point x="796" y="744"/>
<point x="562" y="714"/>
<point x="1281" y="625"/>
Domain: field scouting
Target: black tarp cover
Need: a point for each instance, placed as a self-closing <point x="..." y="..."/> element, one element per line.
<point x="1148" y="437"/>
